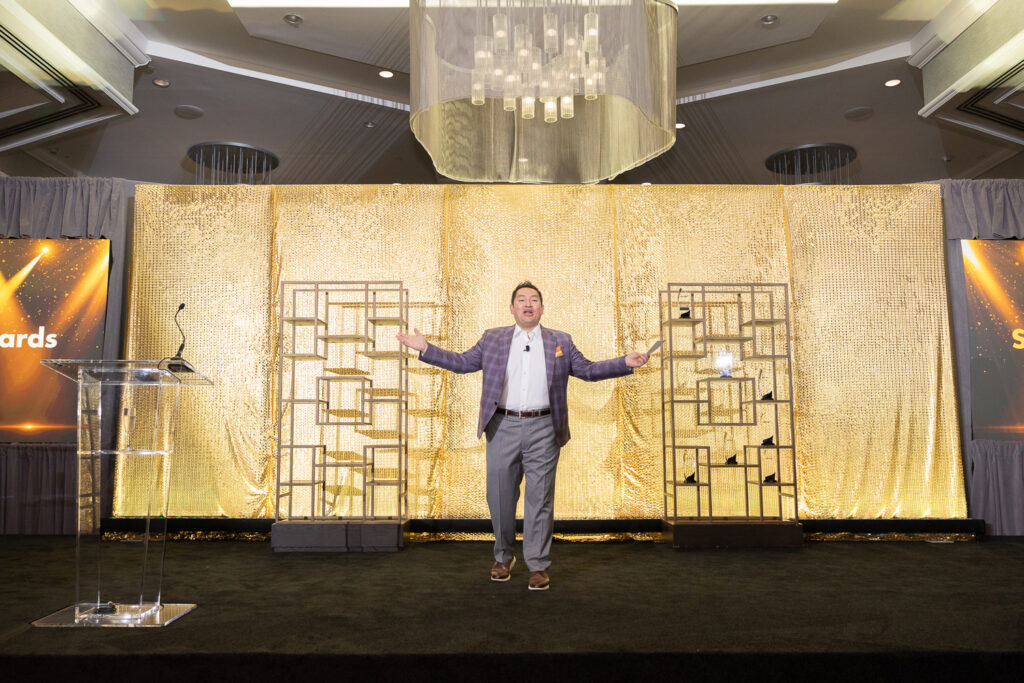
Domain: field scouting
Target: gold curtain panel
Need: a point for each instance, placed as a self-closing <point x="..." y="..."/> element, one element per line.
<point x="876" y="419"/>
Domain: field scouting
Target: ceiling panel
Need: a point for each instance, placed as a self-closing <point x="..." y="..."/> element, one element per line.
<point x="318" y="137"/>
<point x="378" y="36"/>
<point x="707" y="33"/>
<point x="321" y="137"/>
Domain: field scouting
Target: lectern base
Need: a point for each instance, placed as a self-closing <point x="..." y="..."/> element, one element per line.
<point x="147" y="614"/>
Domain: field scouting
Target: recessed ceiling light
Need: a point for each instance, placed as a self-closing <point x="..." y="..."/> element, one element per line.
<point x="645" y="183"/>
<point x="892" y="82"/>
<point x="769" y="19"/>
<point x="386" y="74"/>
<point x="370" y="124"/>
<point x="680" y="125"/>
<point x="161" y="83"/>
<point x="292" y="19"/>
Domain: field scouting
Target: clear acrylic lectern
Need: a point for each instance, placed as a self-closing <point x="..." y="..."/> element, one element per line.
<point x="143" y="395"/>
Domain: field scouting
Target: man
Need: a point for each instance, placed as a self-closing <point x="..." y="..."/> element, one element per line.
<point x="523" y="411"/>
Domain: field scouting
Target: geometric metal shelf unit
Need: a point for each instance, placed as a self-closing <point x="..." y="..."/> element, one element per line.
<point x="343" y="402"/>
<point x="728" y="439"/>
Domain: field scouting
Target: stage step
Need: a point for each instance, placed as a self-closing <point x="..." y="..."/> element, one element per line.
<point x="338" y="536"/>
<point x="702" y="535"/>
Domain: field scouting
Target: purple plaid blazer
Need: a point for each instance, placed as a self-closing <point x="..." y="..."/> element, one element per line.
<point x="490" y="354"/>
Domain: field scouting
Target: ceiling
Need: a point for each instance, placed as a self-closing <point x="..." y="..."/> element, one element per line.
<point x="308" y="92"/>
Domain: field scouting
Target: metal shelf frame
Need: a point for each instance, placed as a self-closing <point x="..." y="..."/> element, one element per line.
<point x="751" y="321"/>
<point x="342" y="401"/>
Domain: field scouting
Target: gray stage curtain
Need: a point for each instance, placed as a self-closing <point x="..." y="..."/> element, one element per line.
<point x="983" y="209"/>
<point x="36" y="494"/>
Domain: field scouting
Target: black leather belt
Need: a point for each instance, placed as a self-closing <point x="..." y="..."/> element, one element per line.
<point x="525" y="413"/>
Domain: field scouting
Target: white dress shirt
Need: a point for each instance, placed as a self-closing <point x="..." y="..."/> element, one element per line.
<point x="526" y="376"/>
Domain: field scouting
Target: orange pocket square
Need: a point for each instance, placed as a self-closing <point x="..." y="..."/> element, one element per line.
<point x="558" y="352"/>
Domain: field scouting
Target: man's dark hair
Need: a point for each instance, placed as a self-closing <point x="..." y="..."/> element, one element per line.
<point x="526" y="284"/>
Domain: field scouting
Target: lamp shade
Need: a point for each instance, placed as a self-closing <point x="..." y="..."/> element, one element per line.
<point x="542" y="91"/>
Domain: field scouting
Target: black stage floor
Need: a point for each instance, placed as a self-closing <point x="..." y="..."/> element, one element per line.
<point x="615" y="611"/>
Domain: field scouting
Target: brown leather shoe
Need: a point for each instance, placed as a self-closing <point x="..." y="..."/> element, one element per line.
<point x="539" y="581"/>
<point x="500" y="571"/>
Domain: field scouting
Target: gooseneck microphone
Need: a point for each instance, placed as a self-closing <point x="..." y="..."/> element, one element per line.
<point x="176" y="363"/>
<point x="181" y="348"/>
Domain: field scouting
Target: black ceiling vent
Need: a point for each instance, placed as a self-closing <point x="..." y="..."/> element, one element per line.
<point x="232" y="163"/>
<point x="825" y="163"/>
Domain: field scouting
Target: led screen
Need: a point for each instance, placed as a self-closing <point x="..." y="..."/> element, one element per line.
<point x="995" y="309"/>
<point x="53" y="300"/>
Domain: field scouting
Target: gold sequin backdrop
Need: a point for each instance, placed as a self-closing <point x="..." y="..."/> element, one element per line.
<point x="875" y="411"/>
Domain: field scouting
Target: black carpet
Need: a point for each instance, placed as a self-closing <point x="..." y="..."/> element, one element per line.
<point x="615" y="611"/>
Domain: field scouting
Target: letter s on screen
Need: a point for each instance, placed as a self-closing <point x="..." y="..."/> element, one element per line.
<point x="1018" y="337"/>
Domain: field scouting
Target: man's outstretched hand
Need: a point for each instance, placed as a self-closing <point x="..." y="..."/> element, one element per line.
<point x="636" y="359"/>
<point x="417" y="340"/>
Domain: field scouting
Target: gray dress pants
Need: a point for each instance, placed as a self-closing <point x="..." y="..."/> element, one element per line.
<point x="518" y="446"/>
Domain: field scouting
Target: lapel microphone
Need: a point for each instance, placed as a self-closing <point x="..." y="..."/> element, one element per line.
<point x="527" y="348"/>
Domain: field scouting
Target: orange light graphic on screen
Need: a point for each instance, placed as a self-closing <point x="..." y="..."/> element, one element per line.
<point x="17" y="377"/>
<point x="7" y="287"/>
<point x="31" y="427"/>
<point x="1006" y="429"/>
<point x="980" y="272"/>
<point x="88" y="297"/>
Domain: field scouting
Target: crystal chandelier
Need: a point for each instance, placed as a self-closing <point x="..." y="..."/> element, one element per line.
<point x="569" y="91"/>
